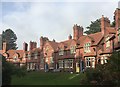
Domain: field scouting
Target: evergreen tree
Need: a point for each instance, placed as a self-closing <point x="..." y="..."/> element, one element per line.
<point x="94" y="27"/>
<point x="10" y="38"/>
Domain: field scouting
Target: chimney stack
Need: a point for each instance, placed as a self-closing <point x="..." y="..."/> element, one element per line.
<point x="25" y="46"/>
<point x="117" y="18"/>
<point x="4" y="47"/>
<point x="69" y="37"/>
<point x="105" y="22"/>
<point x="32" y="45"/>
<point x="77" y="31"/>
<point x="43" y="41"/>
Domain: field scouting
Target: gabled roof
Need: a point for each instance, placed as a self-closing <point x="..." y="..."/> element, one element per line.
<point x="53" y="44"/>
<point x="12" y="52"/>
<point x="111" y="30"/>
<point x="96" y="37"/>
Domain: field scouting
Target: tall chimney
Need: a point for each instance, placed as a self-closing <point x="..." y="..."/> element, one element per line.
<point x="25" y="46"/>
<point x="69" y="37"/>
<point x="77" y="31"/>
<point x="43" y="41"/>
<point x="4" y="47"/>
<point x="105" y="22"/>
<point x="117" y="18"/>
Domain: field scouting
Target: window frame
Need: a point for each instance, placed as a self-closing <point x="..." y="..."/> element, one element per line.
<point x="87" y="47"/>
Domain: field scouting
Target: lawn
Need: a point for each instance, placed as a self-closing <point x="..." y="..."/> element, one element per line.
<point x="49" y="78"/>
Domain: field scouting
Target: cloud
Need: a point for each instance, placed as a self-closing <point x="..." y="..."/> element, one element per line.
<point x="30" y="20"/>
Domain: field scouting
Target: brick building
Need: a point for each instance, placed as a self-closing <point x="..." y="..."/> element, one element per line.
<point x="74" y="54"/>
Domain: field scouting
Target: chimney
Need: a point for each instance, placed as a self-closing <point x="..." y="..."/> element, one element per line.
<point x="53" y="40"/>
<point x="4" y="47"/>
<point x="43" y="41"/>
<point x="69" y="37"/>
<point x="117" y="18"/>
<point x="33" y="45"/>
<point x="25" y="46"/>
<point x="105" y="22"/>
<point x="77" y="31"/>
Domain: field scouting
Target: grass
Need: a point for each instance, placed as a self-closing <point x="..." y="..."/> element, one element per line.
<point x="49" y="78"/>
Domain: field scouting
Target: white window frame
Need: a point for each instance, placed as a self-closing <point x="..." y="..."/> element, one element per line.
<point x="61" y="52"/>
<point x="46" y="59"/>
<point x="87" y="47"/>
<point x="15" y="59"/>
<point x="60" y="62"/>
<point x="71" y="62"/>
<point x="51" y="60"/>
<point x="93" y="62"/>
<point x="90" y="62"/>
<point x="73" y="49"/>
<point x="36" y="55"/>
<point x="29" y="56"/>
<point x="107" y="42"/>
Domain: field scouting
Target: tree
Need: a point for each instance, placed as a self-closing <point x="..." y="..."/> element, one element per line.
<point x="93" y="27"/>
<point x="10" y="38"/>
<point x="9" y="69"/>
<point x="106" y="74"/>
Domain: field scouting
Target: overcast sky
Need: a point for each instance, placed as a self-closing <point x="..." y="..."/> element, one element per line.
<point x="55" y="19"/>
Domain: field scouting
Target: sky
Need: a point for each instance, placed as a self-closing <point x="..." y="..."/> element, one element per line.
<point x="31" y="19"/>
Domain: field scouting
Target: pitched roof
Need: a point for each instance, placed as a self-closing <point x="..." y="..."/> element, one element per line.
<point x="12" y="52"/>
<point x="53" y="44"/>
<point x="111" y="30"/>
<point x="67" y="43"/>
<point x="96" y="37"/>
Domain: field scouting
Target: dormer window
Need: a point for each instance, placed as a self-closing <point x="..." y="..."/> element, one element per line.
<point x="119" y="35"/>
<point x="87" y="48"/>
<point x="72" y="49"/>
<point x="107" y="42"/>
<point x="61" y="52"/>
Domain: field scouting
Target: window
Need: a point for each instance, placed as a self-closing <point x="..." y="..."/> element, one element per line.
<point x="102" y="61"/>
<point x="60" y="63"/>
<point x="66" y="62"/>
<point x="61" y="52"/>
<point x="47" y="48"/>
<point x="51" y="60"/>
<point x="87" y="48"/>
<point x="36" y="55"/>
<point x="72" y="49"/>
<point x="107" y="42"/>
<point x="29" y="56"/>
<point x="88" y="62"/>
<point x="71" y="63"/>
<point x="42" y="61"/>
<point x="119" y="35"/>
<point x="46" y="60"/>
<point x="93" y="62"/>
<point x="15" y="58"/>
<point x="105" y="59"/>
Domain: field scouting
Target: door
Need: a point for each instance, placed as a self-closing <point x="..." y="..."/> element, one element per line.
<point x="77" y="67"/>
